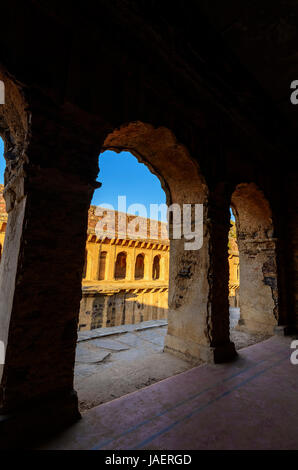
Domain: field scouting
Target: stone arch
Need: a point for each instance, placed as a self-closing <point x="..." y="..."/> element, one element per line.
<point x="65" y="188"/>
<point x="257" y="253"/>
<point x="155" y="147"/>
<point x="191" y="330"/>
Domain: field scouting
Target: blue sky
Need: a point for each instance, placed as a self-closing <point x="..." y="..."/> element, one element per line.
<point x="2" y="161"/>
<point x="122" y="175"/>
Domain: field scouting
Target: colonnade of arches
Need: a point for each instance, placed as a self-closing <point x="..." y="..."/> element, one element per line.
<point x="44" y="253"/>
<point x="144" y="267"/>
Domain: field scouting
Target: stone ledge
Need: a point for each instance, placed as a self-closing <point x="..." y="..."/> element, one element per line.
<point x="196" y="353"/>
<point x="116" y="330"/>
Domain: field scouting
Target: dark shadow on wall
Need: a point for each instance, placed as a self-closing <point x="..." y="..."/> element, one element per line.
<point x="123" y="308"/>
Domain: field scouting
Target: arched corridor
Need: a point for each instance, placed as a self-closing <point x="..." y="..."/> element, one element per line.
<point x="186" y="91"/>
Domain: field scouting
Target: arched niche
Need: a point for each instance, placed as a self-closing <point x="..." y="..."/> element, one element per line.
<point x="140" y="266"/>
<point x="156" y="267"/>
<point x="121" y="266"/>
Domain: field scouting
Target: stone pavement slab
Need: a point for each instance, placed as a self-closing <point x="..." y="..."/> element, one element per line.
<point x="114" y="330"/>
<point x="107" y="343"/>
<point x="89" y="355"/>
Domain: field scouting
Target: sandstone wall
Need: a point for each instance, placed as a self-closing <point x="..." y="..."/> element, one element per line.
<point x="100" y="310"/>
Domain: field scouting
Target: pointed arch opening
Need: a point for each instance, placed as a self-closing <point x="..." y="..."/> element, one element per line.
<point x="140" y="266"/>
<point x="120" y="266"/>
<point x="152" y="278"/>
<point x="156" y="267"/>
<point x="257" y="268"/>
<point x="102" y="265"/>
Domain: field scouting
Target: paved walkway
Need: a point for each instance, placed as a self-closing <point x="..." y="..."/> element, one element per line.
<point x="111" y="362"/>
<point x="250" y="403"/>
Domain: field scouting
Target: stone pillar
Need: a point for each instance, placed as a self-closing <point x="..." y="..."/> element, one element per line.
<point x="257" y="257"/>
<point x="165" y="265"/>
<point x="258" y="285"/>
<point x="198" y="318"/>
<point x="148" y="266"/>
<point x="105" y="310"/>
<point x="48" y="193"/>
<point x="111" y="260"/>
<point x="218" y="328"/>
<point x="89" y="265"/>
<point x="130" y="264"/>
<point x="98" y="254"/>
<point x="288" y="260"/>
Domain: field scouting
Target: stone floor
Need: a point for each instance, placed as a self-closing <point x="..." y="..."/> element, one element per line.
<point x="130" y="357"/>
<point x="112" y="362"/>
<point x="250" y="403"/>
